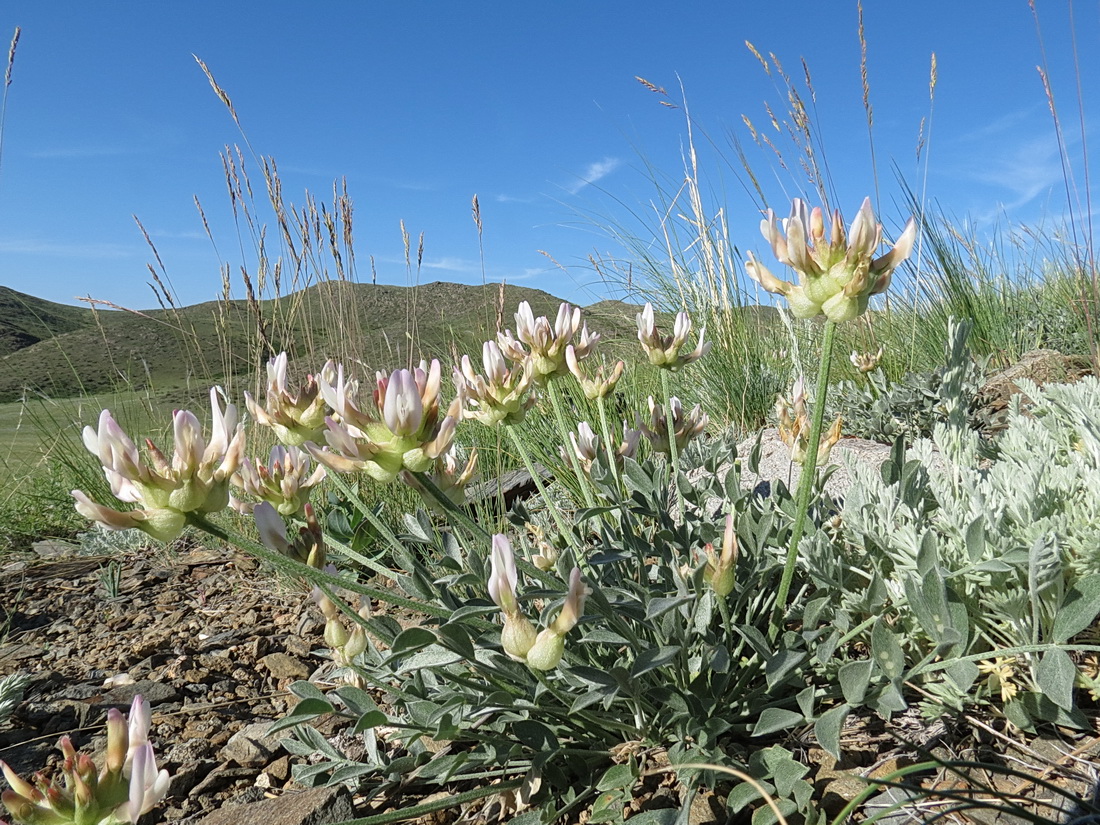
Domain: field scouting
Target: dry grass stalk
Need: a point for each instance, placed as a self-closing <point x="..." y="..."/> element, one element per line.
<point x="11" y="55"/>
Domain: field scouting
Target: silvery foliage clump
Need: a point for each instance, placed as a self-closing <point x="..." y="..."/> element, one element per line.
<point x="878" y="409"/>
<point x="101" y="541"/>
<point x="984" y="570"/>
<point x="11" y="693"/>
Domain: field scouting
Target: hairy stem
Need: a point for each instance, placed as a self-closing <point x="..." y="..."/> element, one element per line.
<point x="673" y="452"/>
<point x="563" y="429"/>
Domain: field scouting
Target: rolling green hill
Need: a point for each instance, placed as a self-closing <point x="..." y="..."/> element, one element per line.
<point x="63" y="351"/>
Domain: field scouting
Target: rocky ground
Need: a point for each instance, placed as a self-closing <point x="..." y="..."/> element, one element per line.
<point x="213" y="641"/>
<point x="206" y="636"/>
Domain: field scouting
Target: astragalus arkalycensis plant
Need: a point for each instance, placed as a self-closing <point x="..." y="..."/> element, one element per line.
<point x="500" y="395"/>
<point x="670" y="434"/>
<point x="667" y="353"/>
<point x="837" y="271"/>
<point x="127" y="786"/>
<point x="837" y="275"/>
<point x="194" y="482"/>
<point x="543" y="344"/>
<point x="794" y="426"/>
<point x="586" y="447"/>
<point x="541" y="650"/>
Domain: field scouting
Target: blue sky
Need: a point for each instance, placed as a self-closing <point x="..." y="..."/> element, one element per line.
<point x="533" y="107"/>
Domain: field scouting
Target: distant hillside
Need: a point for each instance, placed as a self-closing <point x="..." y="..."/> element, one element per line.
<point x="25" y="320"/>
<point x="64" y="351"/>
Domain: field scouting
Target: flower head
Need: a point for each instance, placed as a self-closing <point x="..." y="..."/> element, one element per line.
<point x="686" y="426"/>
<point x="502" y="395"/>
<point x="448" y="477"/>
<point x="127" y="786"/>
<point x="549" y="646"/>
<point x="400" y="430"/>
<point x="295" y="417"/>
<point x="586" y="446"/>
<point x="866" y="361"/>
<point x="794" y="426"/>
<point x="720" y="572"/>
<point x="598" y="385"/>
<point x="308" y="547"/>
<point x="518" y="635"/>
<point x="195" y="480"/>
<point x="284" y="482"/>
<point x="666" y="350"/>
<point x="837" y="272"/>
<point x="543" y="344"/>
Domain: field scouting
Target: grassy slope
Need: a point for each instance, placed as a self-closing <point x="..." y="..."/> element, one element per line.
<point x="25" y="320"/>
<point x="68" y="351"/>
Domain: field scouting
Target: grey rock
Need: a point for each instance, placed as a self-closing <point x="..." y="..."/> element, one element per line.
<point x="155" y="693"/>
<point x="317" y="806"/>
<point x="250" y="746"/>
<point x="775" y="461"/>
<point x="54" y="549"/>
<point x="282" y="666"/>
<point x="776" y="465"/>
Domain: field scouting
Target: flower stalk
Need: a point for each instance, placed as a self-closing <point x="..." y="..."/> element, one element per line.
<point x="806" y="480"/>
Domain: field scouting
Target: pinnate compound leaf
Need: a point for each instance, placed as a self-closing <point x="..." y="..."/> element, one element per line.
<point x="886" y="651"/>
<point x="618" y="776"/>
<point x="654" y="658"/>
<point x="304" y="711"/>
<point x="306" y="690"/>
<point x="370" y="719"/>
<point x="854" y="678"/>
<point x="429" y="657"/>
<point x="411" y="639"/>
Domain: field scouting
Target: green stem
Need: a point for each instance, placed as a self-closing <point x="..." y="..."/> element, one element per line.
<point x="724" y="610"/>
<point x="535" y="477"/>
<point x="673" y="453"/>
<point x="353" y="498"/>
<point x="453" y="510"/>
<point x="806" y="480"/>
<point x="609" y="445"/>
<point x="563" y="429"/>
<point x="292" y="567"/>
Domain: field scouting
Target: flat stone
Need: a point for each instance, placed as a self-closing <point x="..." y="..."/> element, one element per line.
<point x="250" y="746"/>
<point x="155" y="693"/>
<point x="283" y="666"/>
<point x="317" y="806"/>
<point x="54" y="549"/>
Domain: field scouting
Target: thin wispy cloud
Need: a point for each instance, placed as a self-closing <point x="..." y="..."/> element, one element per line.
<point x="80" y="152"/>
<point x="594" y="172"/>
<point x="512" y="199"/>
<point x="452" y="264"/>
<point x="65" y="249"/>
<point x="1021" y="172"/>
<point x="178" y="234"/>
